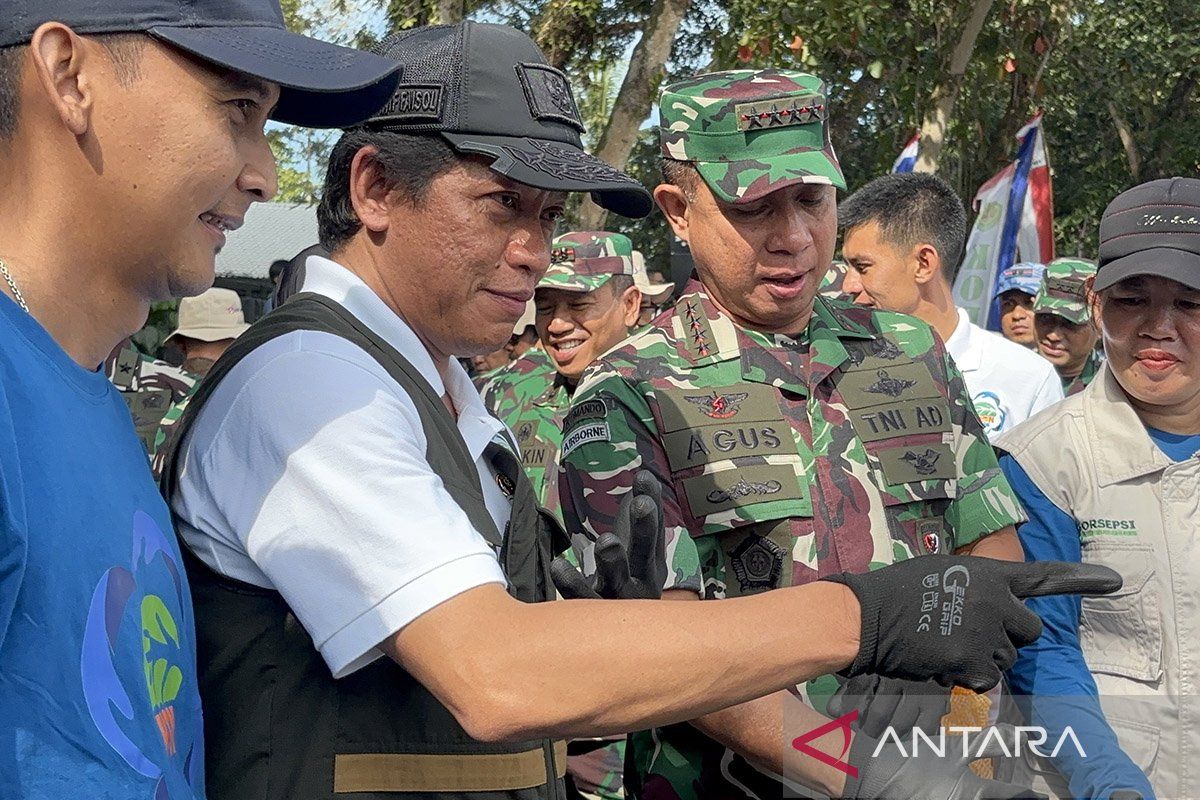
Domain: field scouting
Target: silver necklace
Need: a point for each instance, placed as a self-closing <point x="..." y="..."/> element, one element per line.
<point x="8" y="278"/>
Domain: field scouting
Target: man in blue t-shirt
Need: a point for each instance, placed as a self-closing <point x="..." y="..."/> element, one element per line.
<point x="131" y="141"/>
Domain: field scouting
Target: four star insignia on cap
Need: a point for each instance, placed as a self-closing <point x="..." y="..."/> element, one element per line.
<point x="779" y="112"/>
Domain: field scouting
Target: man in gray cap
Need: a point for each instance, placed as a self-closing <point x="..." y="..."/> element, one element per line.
<point x="131" y="142"/>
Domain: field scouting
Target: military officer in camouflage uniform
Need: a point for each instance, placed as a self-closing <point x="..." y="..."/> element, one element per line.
<point x="795" y="436"/>
<point x="1062" y="319"/>
<point x="149" y="386"/>
<point x="585" y="304"/>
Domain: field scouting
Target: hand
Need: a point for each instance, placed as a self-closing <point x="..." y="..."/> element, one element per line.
<point x="958" y="619"/>
<point x="631" y="560"/>
<point x="888" y="702"/>
<point x="887" y="772"/>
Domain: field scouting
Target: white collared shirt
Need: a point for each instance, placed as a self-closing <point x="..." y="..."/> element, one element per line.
<point x="1008" y="383"/>
<point x="306" y="473"/>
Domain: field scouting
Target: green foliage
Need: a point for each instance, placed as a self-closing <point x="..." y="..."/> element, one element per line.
<point x="883" y="60"/>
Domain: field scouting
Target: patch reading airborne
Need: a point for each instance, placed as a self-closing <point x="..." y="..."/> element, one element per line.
<point x="590" y="432"/>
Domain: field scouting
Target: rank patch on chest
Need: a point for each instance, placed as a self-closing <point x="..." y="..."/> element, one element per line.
<point x="886" y="385"/>
<point x="758" y="563"/>
<point x="718" y="406"/>
<point x="693" y="408"/>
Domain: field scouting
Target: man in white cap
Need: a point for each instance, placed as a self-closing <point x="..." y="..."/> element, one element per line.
<point x="208" y="324"/>
<point x="654" y="295"/>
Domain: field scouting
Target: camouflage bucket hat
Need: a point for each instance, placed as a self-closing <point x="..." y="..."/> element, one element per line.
<point x="1064" y="290"/>
<point x="583" y="261"/>
<point x="750" y="132"/>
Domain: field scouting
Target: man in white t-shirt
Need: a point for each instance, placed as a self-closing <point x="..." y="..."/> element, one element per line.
<point x="903" y="238"/>
<point x="367" y="559"/>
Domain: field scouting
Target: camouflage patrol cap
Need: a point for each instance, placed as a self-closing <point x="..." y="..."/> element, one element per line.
<point x="583" y="261"/>
<point x="833" y="279"/>
<point x="1064" y="289"/>
<point x="750" y="132"/>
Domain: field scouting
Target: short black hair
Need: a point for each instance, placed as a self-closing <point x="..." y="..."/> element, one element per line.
<point x="125" y="49"/>
<point x="410" y="161"/>
<point x="277" y="267"/>
<point x="911" y="208"/>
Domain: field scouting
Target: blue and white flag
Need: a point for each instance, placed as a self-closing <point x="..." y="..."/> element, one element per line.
<point x="1015" y="222"/>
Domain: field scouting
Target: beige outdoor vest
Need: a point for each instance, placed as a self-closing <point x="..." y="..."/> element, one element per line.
<point x="1139" y="513"/>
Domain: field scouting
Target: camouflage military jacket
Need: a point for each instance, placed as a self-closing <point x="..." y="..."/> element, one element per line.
<point x="783" y="459"/>
<point x="1091" y="369"/>
<point x="149" y="386"/>
<point x="530" y="397"/>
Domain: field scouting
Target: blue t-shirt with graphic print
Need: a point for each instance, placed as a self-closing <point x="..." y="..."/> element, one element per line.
<point x="98" y="694"/>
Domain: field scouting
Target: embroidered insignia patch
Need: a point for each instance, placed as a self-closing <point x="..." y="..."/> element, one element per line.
<point x="414" y="101"/>
<point x="924" y="463"/>
<point x="744" y="488"/>
<point x="718" y="406"/>
<point x="591" y="432"/>
<point x="758" y="563"/>
<point x="548" y="93"/>
<point x="780" y="112"/>
<point x="892" y="387"/>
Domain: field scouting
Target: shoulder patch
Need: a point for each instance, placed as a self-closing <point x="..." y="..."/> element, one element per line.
<point x="589" y="431"/>
<point x="594" y="408"/>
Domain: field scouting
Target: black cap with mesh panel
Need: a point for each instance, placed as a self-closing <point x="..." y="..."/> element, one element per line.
<point x="489" y="91"/>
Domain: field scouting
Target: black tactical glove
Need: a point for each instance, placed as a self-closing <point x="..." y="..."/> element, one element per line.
<point x="631" y="561"/>
<point x="958" y="619"/>
<point x="889" y="702"/>
<point x="894" y="774"/>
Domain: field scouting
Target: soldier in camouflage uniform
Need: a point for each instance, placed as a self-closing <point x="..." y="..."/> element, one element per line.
<point x="585" y="305"/>
<point x="149" y="386"/>
<point x="795" y="436"/>
<point x="1062" y="319"/>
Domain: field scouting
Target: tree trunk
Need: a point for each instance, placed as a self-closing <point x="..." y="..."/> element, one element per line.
<point x="564" y="29"/>
<point x="638" y="92"/>
<point x="937" y="119"/>
<point x="1127" y="142"/>
<point x="450" y="12"/>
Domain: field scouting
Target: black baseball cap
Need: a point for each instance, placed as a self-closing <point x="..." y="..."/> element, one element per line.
<point x="323" y="85"/>
<point x="488" y="90"/>
<point x="1152" y="229"/>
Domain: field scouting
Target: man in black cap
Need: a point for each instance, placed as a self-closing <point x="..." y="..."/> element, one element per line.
<point x="131" y="142"/>
<point x="353" y="546"/>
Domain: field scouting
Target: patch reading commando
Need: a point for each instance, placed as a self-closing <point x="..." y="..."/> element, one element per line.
<point x="595" y="408"/>
<point x="892" y="387"/>
<point x="718" y="406"/>
<point x="924" y="463"/>
<point x="757" y="563"/>
<point x="743" y="488"/>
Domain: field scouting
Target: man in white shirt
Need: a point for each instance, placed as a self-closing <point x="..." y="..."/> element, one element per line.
<point x="903" y="238"/>
<point x="353" y="517"/>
